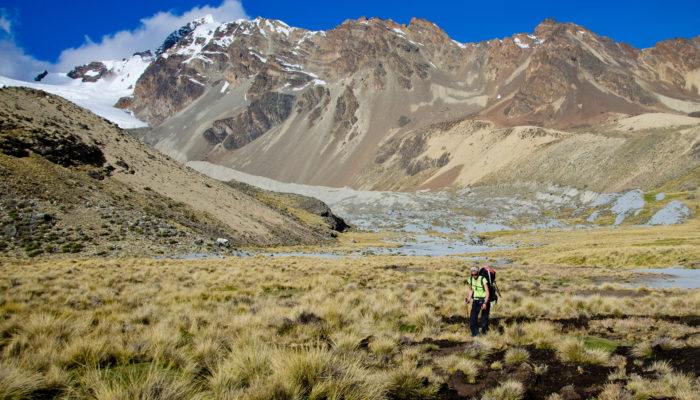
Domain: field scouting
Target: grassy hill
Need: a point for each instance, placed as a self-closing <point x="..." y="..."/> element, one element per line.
<point x="73" y="182"/>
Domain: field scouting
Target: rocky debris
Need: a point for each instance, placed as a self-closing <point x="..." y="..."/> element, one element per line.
<point x="124" y="102"/>
<point x="408" y="151"/>
<point x="314" y="101"/>
<point x="25" y="228"/>
<point x="90" y="72"/>
<point x="675" y="212"/>
<point x="259" y="117"/>
<point x="41" y="76"/>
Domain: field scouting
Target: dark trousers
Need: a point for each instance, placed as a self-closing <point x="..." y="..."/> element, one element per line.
<point x="474" y="317"/>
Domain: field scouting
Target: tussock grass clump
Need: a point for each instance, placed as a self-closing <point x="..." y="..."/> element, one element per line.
<point x="345" y="341"/>
<point x="424" y="319"/>
<point x="666" y="343"/>
<point x="383" y="345"/>
<point x="614" y="391"/>
<point x="642" y="350"/>
<point x="543" y="334"/>
<point x="318" y="374"/>
<point x="406" y="383"/>
<point x="515" y="334"/>
<point x="136" y="381"/>
<point x="468" y="367"/>
<point x="240" y="368"/>
<point x="90" y="353"/>
<point x="516" y="355"/>
<point x="670" y="384"/>
<point x="508" y="390"/>
<point x="573" y="349"/>
<point x="17" y="383"/>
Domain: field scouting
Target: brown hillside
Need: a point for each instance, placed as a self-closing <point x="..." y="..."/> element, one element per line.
<point x="74" y="182"/>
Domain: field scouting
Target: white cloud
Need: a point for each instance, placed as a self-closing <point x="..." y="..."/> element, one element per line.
<point x="14" y="62"/>
<point x="147" y="36"/>
<point x="5" y="23"/>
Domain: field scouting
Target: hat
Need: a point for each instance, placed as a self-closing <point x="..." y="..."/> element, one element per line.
<point x="474" y="269"/>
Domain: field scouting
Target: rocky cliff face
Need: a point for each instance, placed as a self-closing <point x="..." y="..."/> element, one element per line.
<point x="323" y="107"/>
<point x="262" y="114"/>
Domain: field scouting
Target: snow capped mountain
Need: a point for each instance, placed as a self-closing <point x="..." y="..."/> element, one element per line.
<point x="97" y="86"/>
<point x="105" y="87"/>
<point x="201" y="25"/>
<point x="373" y="103"/>
<point x="376" y="104"/>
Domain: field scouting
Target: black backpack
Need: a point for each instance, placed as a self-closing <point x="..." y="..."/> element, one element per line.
<point x="490" y="276"/>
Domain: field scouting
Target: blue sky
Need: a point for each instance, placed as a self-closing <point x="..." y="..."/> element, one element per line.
<point x="49" y="34"/>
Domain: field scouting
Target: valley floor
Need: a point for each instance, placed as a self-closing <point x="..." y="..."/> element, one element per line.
<point x="371" y="327"/>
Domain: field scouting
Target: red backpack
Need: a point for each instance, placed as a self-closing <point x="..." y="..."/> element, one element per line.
<point x="490" y="276"/>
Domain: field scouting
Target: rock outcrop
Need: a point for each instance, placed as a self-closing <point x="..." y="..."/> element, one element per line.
<point x="261" y="115"/>
<point x="90" y="72"/>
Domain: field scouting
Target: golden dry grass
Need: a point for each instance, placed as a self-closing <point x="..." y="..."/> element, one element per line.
<point x="289" y="327"/>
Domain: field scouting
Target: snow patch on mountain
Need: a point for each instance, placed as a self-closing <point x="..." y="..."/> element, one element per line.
<point x="98" y="97"/>
<point x="520" y="44"/>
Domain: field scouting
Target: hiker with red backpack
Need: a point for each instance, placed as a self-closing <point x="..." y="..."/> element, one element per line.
<point x="482" y="292"/>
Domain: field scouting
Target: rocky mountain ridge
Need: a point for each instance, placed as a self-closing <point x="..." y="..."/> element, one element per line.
<point x="359" y="105"/>
<point x="365" y="104"/>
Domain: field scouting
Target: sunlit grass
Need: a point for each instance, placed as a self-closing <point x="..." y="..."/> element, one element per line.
<point x="629" y="246"/>
<point x="292" y="327"/>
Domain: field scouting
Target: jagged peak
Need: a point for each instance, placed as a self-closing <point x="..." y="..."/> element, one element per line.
<point x="371" y="21"/>
<point x="424" y="26"/>
<point x="548" y="25"/>
<point x="177" y="35"/>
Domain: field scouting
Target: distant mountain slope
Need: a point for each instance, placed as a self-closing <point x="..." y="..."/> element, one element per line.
<point x="74" y="182"/>
<point x="334" y="107"/>
<point x="373" y="104"/>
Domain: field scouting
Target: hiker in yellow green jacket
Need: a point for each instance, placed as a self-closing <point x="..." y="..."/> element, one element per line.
<point x="479" y="293"/>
